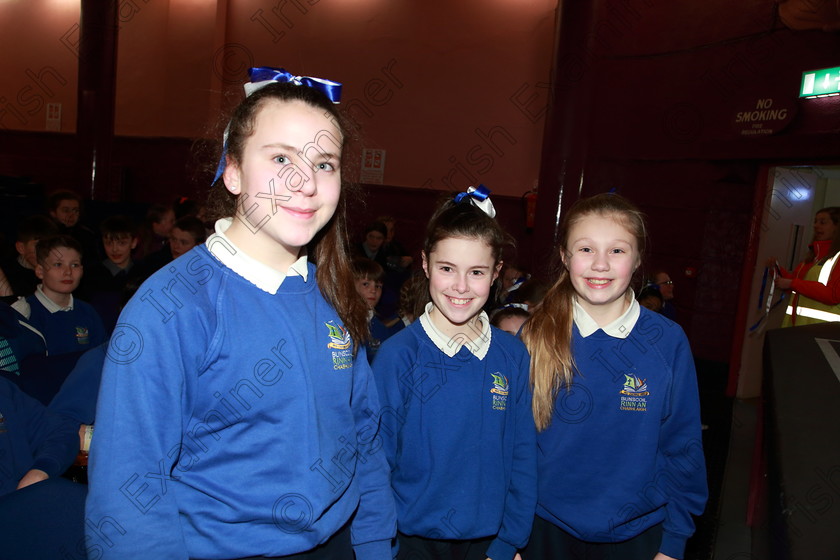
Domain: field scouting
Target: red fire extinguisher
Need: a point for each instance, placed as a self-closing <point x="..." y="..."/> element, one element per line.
<point x="529" y="200"/>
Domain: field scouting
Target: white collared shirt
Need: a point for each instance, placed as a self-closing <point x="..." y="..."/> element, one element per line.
<point x="479" y="345"/>
<point x="620" y="328"/>
<point x="22" y="306"/>
<point x="263" y="277"/>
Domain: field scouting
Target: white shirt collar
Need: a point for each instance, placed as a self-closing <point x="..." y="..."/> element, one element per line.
<point x="51" y="306"/>
<point x="263" y="277"/>
<point x="620" y="328"/>
<point x="450" y="346"/>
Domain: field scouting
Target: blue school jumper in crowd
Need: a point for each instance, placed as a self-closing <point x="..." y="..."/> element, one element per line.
<point x="624" y="450"/>
<point x="379" y="333"/>
<point x="31" y="437"/>
<point x="459" y="434"/>
<point x="233" y="420"/>
<point x="74" y="328"/>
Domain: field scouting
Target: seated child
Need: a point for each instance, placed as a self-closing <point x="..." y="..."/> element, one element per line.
<point x="651" y="298"/>
<point x="68" y="324"/>
<point x="103" y="282"/>
<point x="20" y="270"/>
<point x="184" y="235"/>
<point x="65" y="208"/>
<point x="510" y="319"/>
<point x="369" y="275"/>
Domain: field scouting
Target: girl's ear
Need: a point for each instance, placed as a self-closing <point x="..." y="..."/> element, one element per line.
<point x="39" y="271"/>
<point x="231" y="176"/>
<point x="497" y="270"/>
<point x="425" y="263"/>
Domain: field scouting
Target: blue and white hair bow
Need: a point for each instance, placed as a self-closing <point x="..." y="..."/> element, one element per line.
<point x="479" y="197"/>
<point x="264" y="75"/>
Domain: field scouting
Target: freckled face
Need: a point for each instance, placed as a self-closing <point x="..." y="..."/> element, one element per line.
<point x="601" y="256"/>
<point x="460" y="272"/>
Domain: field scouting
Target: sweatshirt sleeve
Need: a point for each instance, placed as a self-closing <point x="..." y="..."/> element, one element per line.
<point x="521" y="501"/>
<point x="131" y="511"/>
<point x="54" y="440"/>
<point x="683" y="473"/>
<point x="828" y="294"/>
<point x="375" y="522"/>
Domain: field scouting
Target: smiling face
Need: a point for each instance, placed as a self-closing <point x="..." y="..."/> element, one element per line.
<point x="60" y="273"/>
<point x="288" y="181"/>
<point x="601" y="257"/>
<point x="824" y="227"/>
<point x="118" y="249"/>
<point x="460" y="273"/>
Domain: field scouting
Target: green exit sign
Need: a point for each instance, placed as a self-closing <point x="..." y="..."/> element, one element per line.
<point x="820" y="83"/>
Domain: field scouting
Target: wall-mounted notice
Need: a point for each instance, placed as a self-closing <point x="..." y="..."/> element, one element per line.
<point x="373" y="166"/>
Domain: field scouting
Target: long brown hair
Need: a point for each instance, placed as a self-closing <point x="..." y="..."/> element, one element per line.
<point x="548" y="333"/>
<point x="329" y="248"/>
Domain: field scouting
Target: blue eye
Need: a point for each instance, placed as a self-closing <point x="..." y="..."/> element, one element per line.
<point x="326" y="166"/>
<point x="282" y="160"/>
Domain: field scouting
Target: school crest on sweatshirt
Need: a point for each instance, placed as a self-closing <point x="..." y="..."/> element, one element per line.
<point x="499" y="391"/>
<point x="634" y="393"/>
<point x="82" y="335"/>
<point x="340" y="343"/>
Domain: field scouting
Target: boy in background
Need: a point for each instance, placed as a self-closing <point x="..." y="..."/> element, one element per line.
<point x="103" y="282"/>
<point x="68" y="324"/>
<point x="20" y="270"/>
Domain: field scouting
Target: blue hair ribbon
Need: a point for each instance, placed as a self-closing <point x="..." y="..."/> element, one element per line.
<point x="479" y="197"/>
<point x="268" y="74"/>
<point x="264" y="75"/>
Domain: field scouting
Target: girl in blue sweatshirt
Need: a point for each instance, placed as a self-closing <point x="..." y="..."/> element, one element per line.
<point x="456" y="417"/>
<point x="621" y="467"/>
<point x="234" y="413"/>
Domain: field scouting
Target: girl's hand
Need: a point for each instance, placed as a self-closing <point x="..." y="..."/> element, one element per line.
<point x="661" y="556"/>
<point x="783" y="283"/>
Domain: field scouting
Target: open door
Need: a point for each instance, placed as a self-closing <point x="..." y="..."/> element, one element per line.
<point x="793" y="195"/>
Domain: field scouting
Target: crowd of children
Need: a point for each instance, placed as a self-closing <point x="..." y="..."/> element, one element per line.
<point x="256" y="399"/>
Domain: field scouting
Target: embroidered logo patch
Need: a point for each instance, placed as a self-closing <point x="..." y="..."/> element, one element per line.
<point x="499" y="391"/>
<point x="340" y="343"/>
<point x="633" y="394"/>
<point x="82" y="335"/>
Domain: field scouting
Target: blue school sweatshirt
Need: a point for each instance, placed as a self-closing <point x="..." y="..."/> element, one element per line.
<point x="460" y="439"/>
<point x="624" y="451"/>
<point x="32" y="437"/>
<point x="233" y="422"/>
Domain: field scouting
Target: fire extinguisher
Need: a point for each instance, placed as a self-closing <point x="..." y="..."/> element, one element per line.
<point x="529" y="200"/>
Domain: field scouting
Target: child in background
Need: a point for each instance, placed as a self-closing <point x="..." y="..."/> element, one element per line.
<point x="232" y="377"/>
<point x="185" y="234"/>
<point x="65" y="207"/>
<point x="510" y="319"/>
<point x="369" y="275"/>
<point x="68" y="324"/>
<point x="459" y="435"/>
<point x="20" y="271"/>
<point x="103" y="282"/>
<point x="621" y="465"/>
<point x="156" y="227"/>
